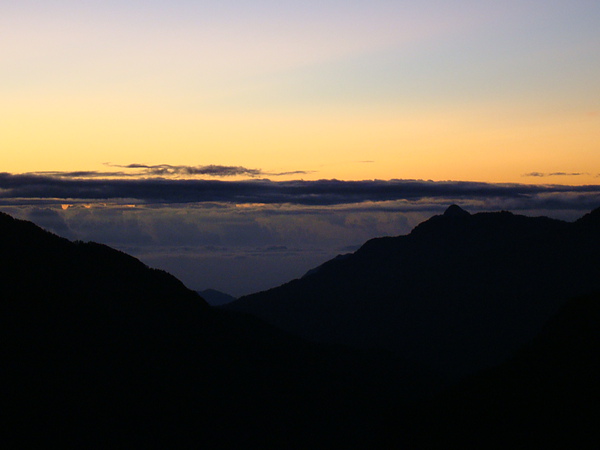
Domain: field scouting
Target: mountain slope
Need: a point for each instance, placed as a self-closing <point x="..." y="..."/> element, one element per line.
<point x="97" y="349"/>
<point x="37" y="264"/>
<point x="216" y="298"/>
<point x="460" y="292"/>
<point x="547" y="396"/>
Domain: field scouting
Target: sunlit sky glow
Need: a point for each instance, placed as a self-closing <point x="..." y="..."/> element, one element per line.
<point x="129" y="110"/>
<point x="461" y="90"/>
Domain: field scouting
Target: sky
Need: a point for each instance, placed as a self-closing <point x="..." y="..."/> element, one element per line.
<point x="238" y="144"/>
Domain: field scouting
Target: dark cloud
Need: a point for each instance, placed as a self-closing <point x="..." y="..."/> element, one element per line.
<point x="82" y="174"/>
<point x="555" y="174"/>
<point x="242" y="245"/>
<point x="568" y="174"/>
<point x="165" y="171"/>
<point x="210" y="170"/>
<point x="295" y="172"/>
<point x="36" y="188"/>
<point x="534" y="174"/>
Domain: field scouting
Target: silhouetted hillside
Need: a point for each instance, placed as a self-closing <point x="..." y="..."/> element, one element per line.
<point x="460" y="292"/>
<point x="97" y="350"/>
<point x="546" y="397"/>
<point x="41" y="266"/>
<point x="216" y="298"/>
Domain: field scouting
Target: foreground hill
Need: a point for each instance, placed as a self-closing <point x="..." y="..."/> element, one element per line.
<point x="547" y="396"/>
<point x="461" y="292"/>
<point x="97" y="349"/>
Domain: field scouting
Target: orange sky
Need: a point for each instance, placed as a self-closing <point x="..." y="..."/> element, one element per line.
<point x="443" y="91"/>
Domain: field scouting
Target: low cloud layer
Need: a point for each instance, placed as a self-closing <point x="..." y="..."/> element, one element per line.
<point x="32" y="189"/>
<point x="244" y="236"/>
<point x="233" y="249"/>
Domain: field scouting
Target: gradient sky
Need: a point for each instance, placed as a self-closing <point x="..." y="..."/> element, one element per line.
<point x="502" y="93"/>
<point x="437" y="89"/>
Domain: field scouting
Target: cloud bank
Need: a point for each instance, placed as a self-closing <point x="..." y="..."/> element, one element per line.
<point x="36" y="189"/>
<point x="244" y="236"/>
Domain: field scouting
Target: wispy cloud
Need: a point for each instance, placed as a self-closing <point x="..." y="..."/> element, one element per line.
<point x="209" y="170"/>
<point x="83" y="174"/>
<point x="554" y="174"/>
<point x="137" y="170"/>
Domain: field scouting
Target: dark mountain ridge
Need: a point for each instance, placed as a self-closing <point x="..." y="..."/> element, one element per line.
<point x="546" y="396"/>
<point x="460" y="292"/>
<point x="99" y="350"/>
<point x="38" y="263"/>
<point x="216" y="298"/>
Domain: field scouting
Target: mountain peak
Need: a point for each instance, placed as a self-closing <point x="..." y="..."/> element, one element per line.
<point x="455" y="211"/>
<point x="591" y="218"/>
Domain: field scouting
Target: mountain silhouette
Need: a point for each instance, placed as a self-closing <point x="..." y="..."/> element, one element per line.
<point x="455" y="211"/>
<point x="99" y="350"/>
<point x="547" y="396"/>
<point x="41" y="266"/>
<point x="216" y="298"/>
<point x="461" y="292"/>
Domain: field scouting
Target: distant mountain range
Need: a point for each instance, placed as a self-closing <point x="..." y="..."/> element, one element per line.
<point x="98" y="350"/>
<point x="216" y="298"/>
<point x="547" y="396"/>
<point x="460" y="293"/>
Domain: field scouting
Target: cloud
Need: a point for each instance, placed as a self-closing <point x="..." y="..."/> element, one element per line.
<point x="240" y="244"/>
<point x="36" y="189"/>
<point x="82" y="174"/>
<point x="534" y="174"/>
<point x="210" y="170"/>
<point x="554" y="174"/>
<point x="295" y="172"/>
<point x="137" y="170"/>
<point x="49" y="219"/>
